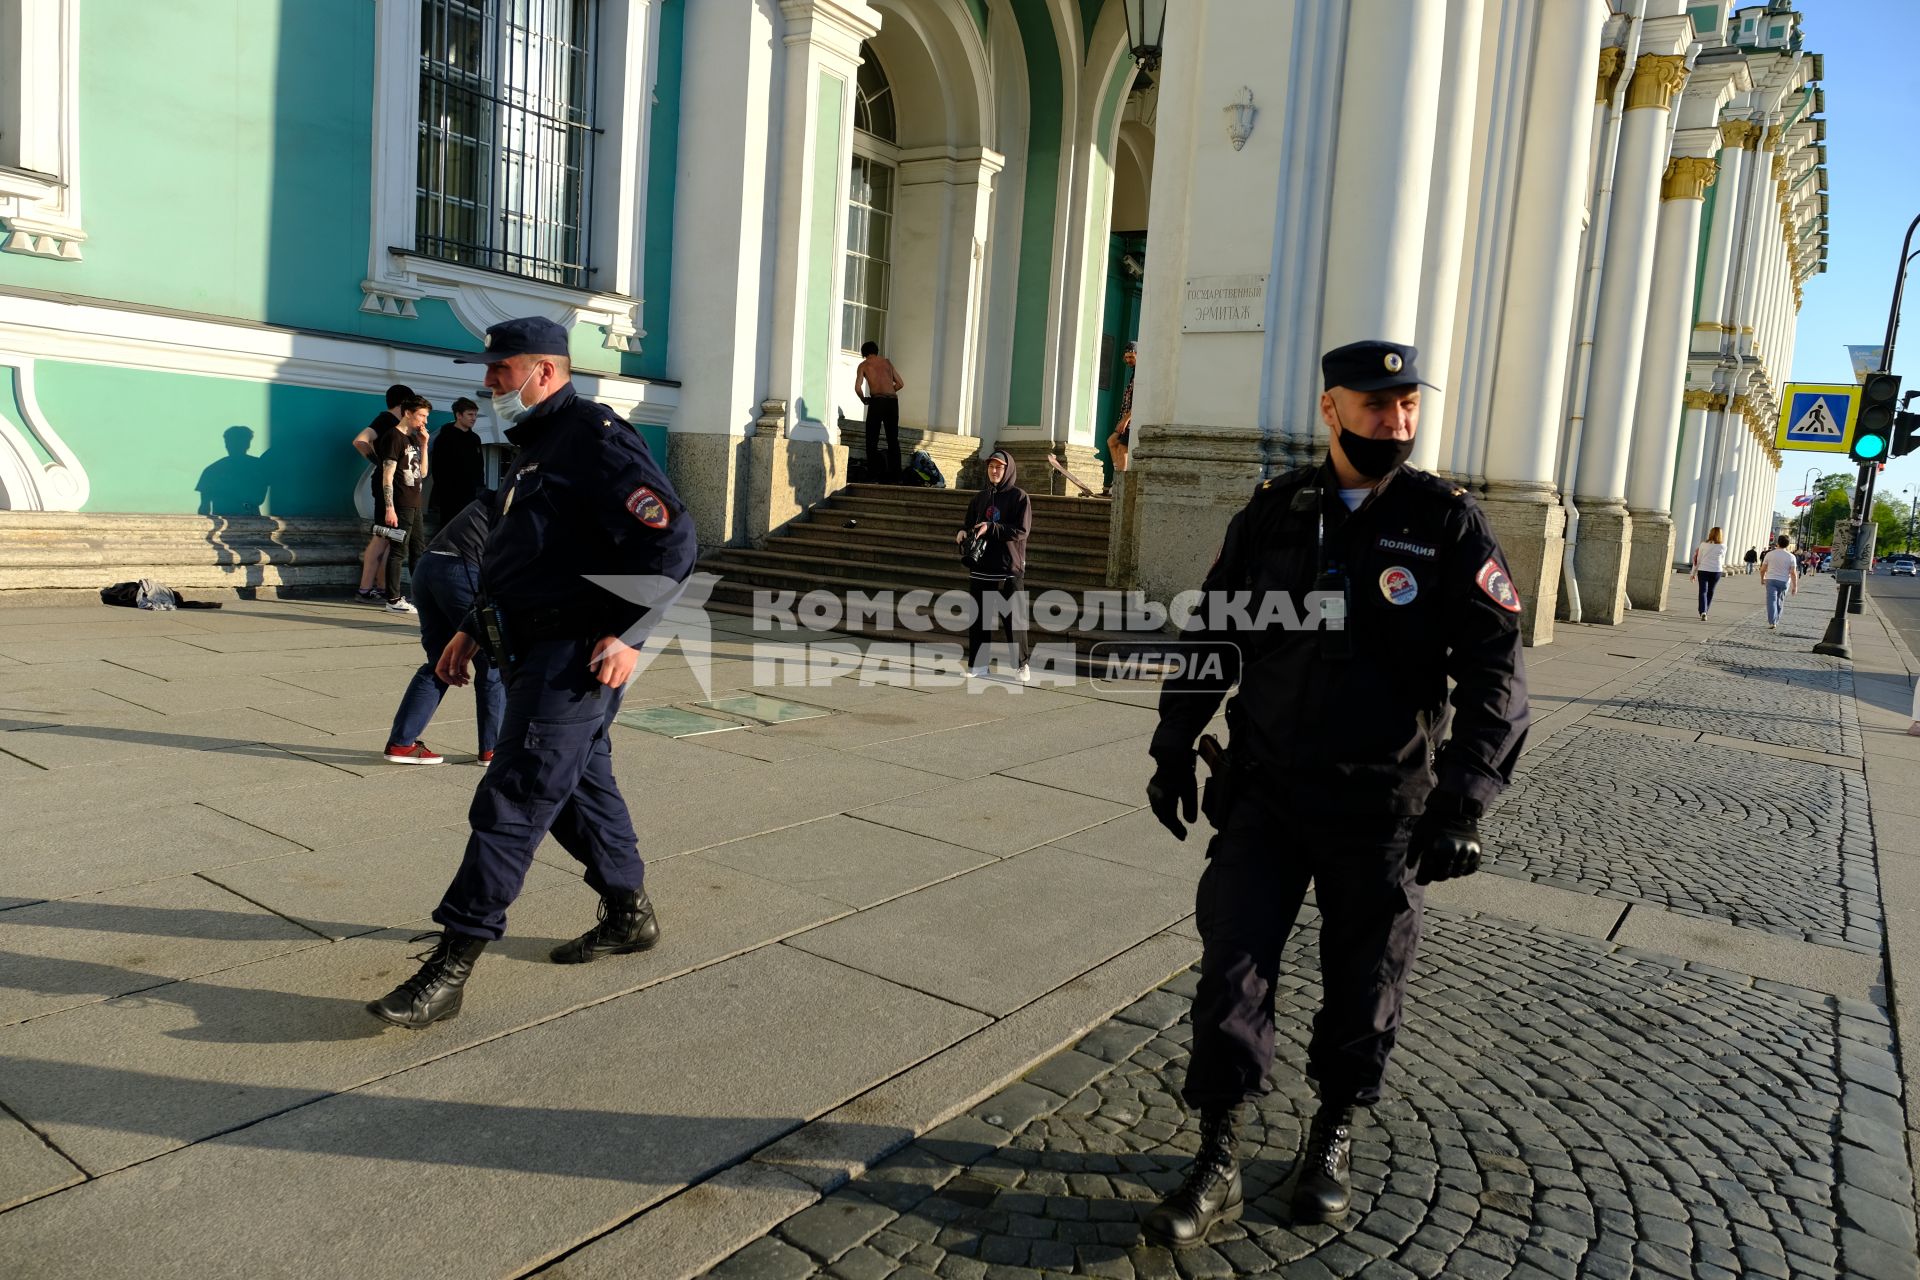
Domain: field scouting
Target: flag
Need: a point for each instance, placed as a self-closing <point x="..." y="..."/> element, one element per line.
<point x="1866" y="360"/>
<point x="1804" y="500"/>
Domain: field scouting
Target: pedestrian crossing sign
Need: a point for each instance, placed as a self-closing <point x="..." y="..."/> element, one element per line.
<point x="1817" y="416"/>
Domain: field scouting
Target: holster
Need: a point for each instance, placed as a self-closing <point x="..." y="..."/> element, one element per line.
<point x="1223" y="787"/>
<point x="493" y="635"/>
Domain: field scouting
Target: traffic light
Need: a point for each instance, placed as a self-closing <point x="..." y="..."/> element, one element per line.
<point x="1873" y="424"/>
<point x="1906" y="434"/>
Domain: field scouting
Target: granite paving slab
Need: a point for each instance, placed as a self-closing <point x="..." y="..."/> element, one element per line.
<point x="29" y="1168"/>
<point x="848" y="860"/>
<point x="125" y="1080"/>
<point x="970" y="751"/>
<point x="55" y="955"/>
<point x="111" y="737"/>
<point x="997" y="937"/>
<point x="342" y="808"/>
<point x="995" y="815"/>
<point x="1116" y="771"/>
<point x="536" y="1119"/>
<point x="89" y="854"/>
<point x="1138" y="840"/>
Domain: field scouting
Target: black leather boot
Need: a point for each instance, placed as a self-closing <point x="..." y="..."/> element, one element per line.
<point x="1210" y="1194"/>
<point x="433" y="993"/>
<point x="626" y="924"/>
<point x="1324" y="1186"/>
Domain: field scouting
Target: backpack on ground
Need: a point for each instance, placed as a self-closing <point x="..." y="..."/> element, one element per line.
<point x="923" y="466"/>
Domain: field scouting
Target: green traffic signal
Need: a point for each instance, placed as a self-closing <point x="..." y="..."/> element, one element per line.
<point x="1874" y="421"/>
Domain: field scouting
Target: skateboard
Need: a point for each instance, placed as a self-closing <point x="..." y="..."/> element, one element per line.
<point x="1086" y="490"/>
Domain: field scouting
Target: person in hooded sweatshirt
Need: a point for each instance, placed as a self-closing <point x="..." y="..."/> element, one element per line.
<point x="1001" y="517"/>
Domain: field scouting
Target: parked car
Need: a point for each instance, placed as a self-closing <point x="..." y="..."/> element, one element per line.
<point x="1826" y="564"/>
<point x="1904" y="564"/>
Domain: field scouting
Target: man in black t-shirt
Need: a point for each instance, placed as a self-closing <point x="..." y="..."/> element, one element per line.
<point x="401" y="472"/>
<point x="458" y="469"/>
<point x="373" y="560"/>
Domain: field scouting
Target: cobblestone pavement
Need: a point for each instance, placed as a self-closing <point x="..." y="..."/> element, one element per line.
<point x="1756" y="684"/>
<point x="1781" y="846"/>
<point x="1558" y="1106"/>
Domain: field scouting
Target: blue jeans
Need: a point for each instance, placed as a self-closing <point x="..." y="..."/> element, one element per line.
<point x="1776" y="598"/>
<point x="553" y="775"/>
<point x="443" y="592"/>
<point x="1708" y="581"/>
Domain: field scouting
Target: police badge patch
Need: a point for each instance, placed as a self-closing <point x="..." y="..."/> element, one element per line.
<point x="1493" y="580"/>
<point x="644" y="505"/>
<point x="1398" y="585"/>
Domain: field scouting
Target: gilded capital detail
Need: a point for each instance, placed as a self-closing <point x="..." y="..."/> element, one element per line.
<point x="1774" y="133"/>
<point x="1612" y="58"/>
<point x="1697" y="399"/>
<point x="1688" y="177"/>
<point x="1657" y="78"/>
<point x="1744" y="134"/>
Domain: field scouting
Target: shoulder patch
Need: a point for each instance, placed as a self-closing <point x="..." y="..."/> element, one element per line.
<point x="644" y="505"/>
<point x="1493" y="580"/>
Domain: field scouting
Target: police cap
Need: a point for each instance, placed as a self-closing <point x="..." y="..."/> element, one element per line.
<point x="530" y="336"/>
<point x="1371" y="366"/>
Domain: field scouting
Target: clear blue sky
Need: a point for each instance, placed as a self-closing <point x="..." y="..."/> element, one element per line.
<point x="1873" y="179"/>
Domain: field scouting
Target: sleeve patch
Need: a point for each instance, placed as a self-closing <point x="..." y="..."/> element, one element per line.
<point x="1493" y="580"/>
<point x="644" y="505"/>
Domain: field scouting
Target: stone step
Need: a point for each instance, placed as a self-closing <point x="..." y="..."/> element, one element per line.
<point x="954" y="502"/>
<point x="899" y="572"/>
<point x="1076" y="536"/>
<point x="66" y="550"/>
<point x="43" y="576"/>
<point x="865" y="543"/>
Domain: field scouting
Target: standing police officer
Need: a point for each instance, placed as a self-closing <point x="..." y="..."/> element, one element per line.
<point x="584" y="497"/>
<point x="1336" y="774"/>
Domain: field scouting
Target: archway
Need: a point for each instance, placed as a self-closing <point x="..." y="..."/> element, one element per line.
<point x="1126" y="266"/>
<point x="920" y="202"/>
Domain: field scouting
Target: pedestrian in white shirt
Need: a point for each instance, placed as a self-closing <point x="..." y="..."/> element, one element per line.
<point x="1709" y="562"/>
<point x="1783" y="575"/>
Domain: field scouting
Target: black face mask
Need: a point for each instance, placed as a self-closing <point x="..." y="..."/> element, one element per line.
<point x="1373" y="458"/>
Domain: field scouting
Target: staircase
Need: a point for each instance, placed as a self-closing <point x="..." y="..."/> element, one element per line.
<point x="871" y="538"/>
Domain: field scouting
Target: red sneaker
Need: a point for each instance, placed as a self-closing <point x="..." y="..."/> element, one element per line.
<point x="415" y="754"/>
<point x="486" y="757"/>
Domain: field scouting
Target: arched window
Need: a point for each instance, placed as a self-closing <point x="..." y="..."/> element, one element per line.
<point x="870" y="195"/>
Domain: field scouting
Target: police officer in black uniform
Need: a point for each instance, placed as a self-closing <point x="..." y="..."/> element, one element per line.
<point x="1336" y="773"/>
<point x="584" y="496"/>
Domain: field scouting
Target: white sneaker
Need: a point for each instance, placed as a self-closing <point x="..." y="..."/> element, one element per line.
<point x="1026" y="674"/>
<point x="978" y="672"/>
<point x="401" y="605"/>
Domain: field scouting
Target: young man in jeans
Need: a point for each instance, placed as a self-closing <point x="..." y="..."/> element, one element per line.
<point x="1783" y="575"/>
<point x="444" y="584"/>
<point x="402" y="455"/>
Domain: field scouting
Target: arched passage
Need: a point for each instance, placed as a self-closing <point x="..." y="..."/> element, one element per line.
<point x="923" y="296"/>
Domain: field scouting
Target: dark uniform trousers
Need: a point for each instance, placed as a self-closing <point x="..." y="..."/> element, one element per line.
<point x="552" y="771"/>
<point x="1256" y="877"/>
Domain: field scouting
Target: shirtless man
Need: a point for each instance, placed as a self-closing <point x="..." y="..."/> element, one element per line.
<point x="878" y="385"/>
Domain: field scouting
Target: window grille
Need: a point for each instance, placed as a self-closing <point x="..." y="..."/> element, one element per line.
<point x="506" y="136"/>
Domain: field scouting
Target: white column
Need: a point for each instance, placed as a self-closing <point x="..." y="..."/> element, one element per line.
<point x="1686" y="481"/>
<point x="1604" y="557"/>
<point x="1736" y="155"/>
<point x="1518" y="361"/>
<point x="1388" y="109"/>
<point x="1663" y="373"/>
<point x="1535" y="327"/>
<point x="1626" y="285"/>
<point x="1447" y="222"/>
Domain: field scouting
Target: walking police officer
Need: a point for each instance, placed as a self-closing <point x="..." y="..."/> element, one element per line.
<point x="585" y="496"/>
<point x="1336" y="774"/>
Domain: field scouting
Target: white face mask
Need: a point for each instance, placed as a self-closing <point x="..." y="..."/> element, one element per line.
<point x="510" y="408"/>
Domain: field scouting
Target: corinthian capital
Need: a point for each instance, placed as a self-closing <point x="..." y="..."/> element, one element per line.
<point x="1687" y="178"/>
<point x="1657" y="78"/>
<point x="1612" y="58"/>
<point x="1697" y="399"/>
<point x="1744" y="134"/>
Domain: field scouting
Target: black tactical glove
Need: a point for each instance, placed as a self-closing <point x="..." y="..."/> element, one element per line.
<point x="1446" y="838"/>
<point x="1173" y="791"/>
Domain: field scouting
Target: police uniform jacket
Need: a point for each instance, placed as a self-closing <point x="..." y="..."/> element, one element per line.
<point x="584" y="496"/>
<point x="1352" y="720"/>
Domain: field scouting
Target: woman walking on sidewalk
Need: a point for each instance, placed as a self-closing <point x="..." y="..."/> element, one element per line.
<point x="1709" y="562"/>
<point x="1783" y="574"/>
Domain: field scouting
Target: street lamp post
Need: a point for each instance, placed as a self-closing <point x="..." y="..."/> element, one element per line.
<point x="1834" y="641"/>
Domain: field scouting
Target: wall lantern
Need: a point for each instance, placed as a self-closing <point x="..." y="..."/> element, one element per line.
<point x="1146" y="29"/>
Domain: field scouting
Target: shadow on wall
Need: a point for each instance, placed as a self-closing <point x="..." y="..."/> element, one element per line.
<point x="238" y="484"/>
